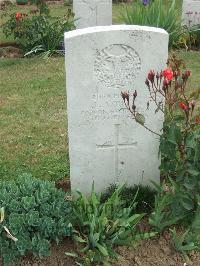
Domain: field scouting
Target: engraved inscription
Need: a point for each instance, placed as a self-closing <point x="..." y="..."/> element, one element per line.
<point x="110" y="106"/>
<point x="140" y="35"/>
<point x="116" y="66"/>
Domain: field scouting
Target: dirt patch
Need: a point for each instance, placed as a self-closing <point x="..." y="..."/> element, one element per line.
<point x="155" y="252"/>
<point x="10" y="52"/>
<point x="57" y="258"/>
<point x="64" y="184"/>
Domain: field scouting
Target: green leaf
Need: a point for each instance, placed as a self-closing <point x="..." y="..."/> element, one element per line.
<point x="187" y="203"/>
<point x="2" y="213"/>
<point x="193" y="172"/>
<point x="140" y="119"/>
<point x="102" y="250"/>
<point x="71" y="254"/>
<point x="79" y="239"/>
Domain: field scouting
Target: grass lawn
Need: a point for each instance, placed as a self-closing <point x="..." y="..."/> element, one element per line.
<point x="33" y="119"/>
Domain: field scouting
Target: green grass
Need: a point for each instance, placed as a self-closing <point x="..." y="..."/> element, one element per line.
<point x="33" y="118"/>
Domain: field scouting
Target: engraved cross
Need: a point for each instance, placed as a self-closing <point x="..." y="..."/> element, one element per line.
<point x="116" y="147"/>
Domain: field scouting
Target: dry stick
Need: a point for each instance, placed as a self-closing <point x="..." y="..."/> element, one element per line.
<point x="156" y="103"/>
<point x="155" y="99"/>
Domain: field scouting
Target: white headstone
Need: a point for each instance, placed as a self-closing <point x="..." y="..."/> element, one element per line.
<point x="191" y="12"/>
<point x="92" y="13"/>
<point x="105" y="144"/>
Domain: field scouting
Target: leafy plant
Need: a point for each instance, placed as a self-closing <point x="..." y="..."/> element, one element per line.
<point x="36" y="213"/>
<point x="145" y="197"/>
<point x="155" y="14"/>
<point x="183" y="242"/>
<point x="162" y="216"/>
<point x="190" y="239"/>
<point x="38" y="33"/>
<point x="42" y="6"/>
<point x="22" y="2"/>
<point x="101" y="226"/>
<point x="180" y="141"/>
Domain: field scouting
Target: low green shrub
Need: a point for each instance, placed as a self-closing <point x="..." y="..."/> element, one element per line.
<point x="22" y="2"/>
<point x="38" y="33"/>
<point x="188" y="240"/>
<point x="155" y="14"/>
<point x="177" y="200"/>
<point x="41" y="6"/>
<point x="145" y="197"/>
<point x="36" y="213"/>
<point x="101" y="226"/>
<point x="162" y="216"/>
<point x="194" y="34"/>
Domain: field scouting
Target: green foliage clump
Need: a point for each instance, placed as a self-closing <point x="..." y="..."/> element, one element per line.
<point x="145" y="197"/>
<point x="38" y="33"/>
<point x="101" y="226"/>
<point x="190" y="239"/>
<point x="36" y="213"/>
<point x="190" y="38"/>
<point x="22" y="2"/>
<point x="155" y="14"/>
<point x="41" y="5"/>
<point x="176" y="200"/>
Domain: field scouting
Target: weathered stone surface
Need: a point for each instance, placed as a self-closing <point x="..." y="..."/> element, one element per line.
<point x="105" y="144"/>
<point x="191" y="12"/>
<point x="92" y="13"/>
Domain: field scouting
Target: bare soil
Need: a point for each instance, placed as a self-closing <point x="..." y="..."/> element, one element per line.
<point x="10" y="52"/>
<point x="157" y="251"/>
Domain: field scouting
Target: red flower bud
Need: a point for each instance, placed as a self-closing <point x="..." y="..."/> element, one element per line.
<point x="18" y="16"/>
<point x="125" y="95"/>
<point x="192" y="103"/>
<point x="187" y="73"/>
<point x="151" y="76"/>
<point x="165" y="84"/>
<point x="198" y="120"/>
<point x="183" y="106"/>
<point x="147" y="83"/>
<point x="135" y="94"/>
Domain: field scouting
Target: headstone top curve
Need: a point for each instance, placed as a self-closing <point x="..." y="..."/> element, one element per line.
<point x="89" y="30"/>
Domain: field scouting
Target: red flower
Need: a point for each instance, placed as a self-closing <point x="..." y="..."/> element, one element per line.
<point x="151" y="76"/>
<point x="18" y="16"/>
<point x="198" y="120"/>
<point x="168" y="74"/>
<point x="183" y="106"/>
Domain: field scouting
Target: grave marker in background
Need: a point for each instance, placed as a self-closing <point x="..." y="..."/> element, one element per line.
<point x="105" y="144"/>
<point x="92" y="13"/>
<point x="191" y="12"/>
